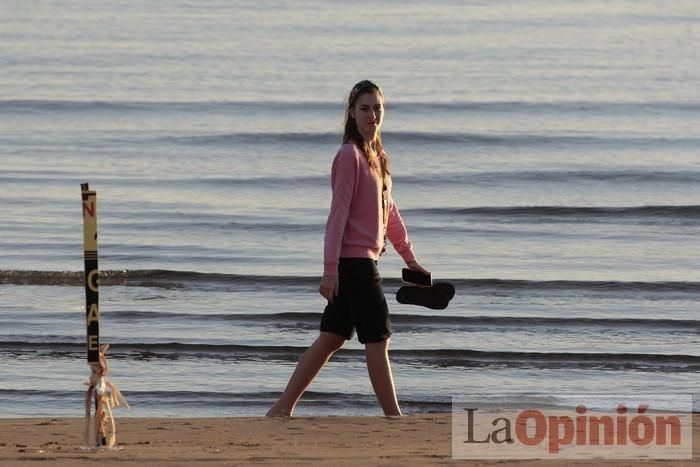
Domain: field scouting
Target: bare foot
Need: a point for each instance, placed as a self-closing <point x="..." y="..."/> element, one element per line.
<point x="277" y="412"/>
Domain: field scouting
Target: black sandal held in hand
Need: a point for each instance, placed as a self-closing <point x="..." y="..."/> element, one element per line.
<point x="437" y="296"/>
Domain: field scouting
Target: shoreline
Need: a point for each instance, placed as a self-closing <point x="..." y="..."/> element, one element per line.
<point x="411" y="440"/>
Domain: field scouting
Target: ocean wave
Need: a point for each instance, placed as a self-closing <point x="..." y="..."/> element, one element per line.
<point x="420" y="138"/>
<point x="228" y="400"/>
<point x="172" y="278"/>
<point x="631" y="176"/>
<point x="185" y="394"/>
<point x="149" y="278"/>
<point x="227" y="139"/>
<point x="136" y="107"/>
<point x="407" y="322"/>
<point x="472" y="178"/>
<point x="528" y="107"/>
<point x="568" y="212"/>
<point x="621" y="176"/>
<point x="421" y="357"/>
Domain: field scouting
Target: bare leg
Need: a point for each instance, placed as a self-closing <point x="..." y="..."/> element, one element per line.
<point x="308" y="367"/>
<point x="379" y="370"/>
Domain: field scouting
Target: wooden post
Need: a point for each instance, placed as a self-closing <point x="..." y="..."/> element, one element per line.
<point x="100" y="429"/>
<point x="92" y="280"/>
<point x="94" y="435"/>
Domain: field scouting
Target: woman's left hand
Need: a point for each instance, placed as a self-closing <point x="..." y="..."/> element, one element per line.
<point x="417" y="267"/>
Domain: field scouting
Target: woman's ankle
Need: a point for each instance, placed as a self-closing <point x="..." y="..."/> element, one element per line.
<point x="279" y="411"/>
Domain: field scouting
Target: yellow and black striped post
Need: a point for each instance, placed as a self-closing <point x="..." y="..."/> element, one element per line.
<point x="100" y="429"/>
<point x="92" y="281"/>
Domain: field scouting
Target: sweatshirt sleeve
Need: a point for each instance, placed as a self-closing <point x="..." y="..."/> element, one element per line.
<point x="343" y="182"/>
<point x="397" y="234"/>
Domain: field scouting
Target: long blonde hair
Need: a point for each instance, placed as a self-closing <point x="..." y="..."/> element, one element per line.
<point x="352" y="133"/>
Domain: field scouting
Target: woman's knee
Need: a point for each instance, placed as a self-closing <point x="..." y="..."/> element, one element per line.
<point x="377" y="347"/>
<point x="330" y="342"/>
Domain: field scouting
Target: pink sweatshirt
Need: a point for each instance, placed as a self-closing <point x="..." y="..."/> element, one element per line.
<point x="354" y="228"/>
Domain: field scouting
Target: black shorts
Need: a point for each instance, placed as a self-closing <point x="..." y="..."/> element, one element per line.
<point x="360" y="303"/>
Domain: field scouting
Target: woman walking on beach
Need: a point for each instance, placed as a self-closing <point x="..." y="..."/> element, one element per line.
<point x="362" y="216"/>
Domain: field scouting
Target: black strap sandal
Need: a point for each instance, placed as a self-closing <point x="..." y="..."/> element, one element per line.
<point x="436" y="297"/>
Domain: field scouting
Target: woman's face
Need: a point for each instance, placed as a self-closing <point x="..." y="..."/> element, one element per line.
<point x="369" y="114"/>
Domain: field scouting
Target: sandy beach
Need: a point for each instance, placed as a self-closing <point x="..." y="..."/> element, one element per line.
<point x="407" y="441"/>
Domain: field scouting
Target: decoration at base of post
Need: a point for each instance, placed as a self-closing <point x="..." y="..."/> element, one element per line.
<point x="103" y="395"/>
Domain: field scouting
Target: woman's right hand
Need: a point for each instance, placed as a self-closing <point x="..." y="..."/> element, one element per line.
<point x="329" y="287"/>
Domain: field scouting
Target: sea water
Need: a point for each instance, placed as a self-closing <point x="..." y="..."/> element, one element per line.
<point x="544" y="157"/>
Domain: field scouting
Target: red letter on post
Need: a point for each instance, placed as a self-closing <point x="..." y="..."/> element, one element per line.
<point x="90" y="209"/>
